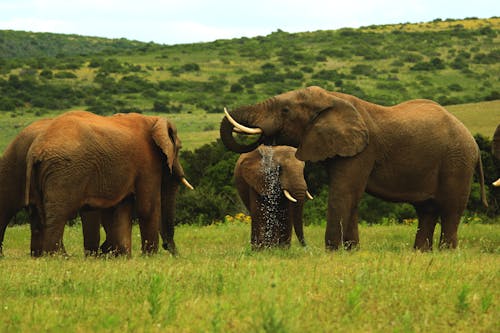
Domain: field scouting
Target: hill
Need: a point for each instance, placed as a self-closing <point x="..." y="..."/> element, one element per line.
<point x="452" y="62"/>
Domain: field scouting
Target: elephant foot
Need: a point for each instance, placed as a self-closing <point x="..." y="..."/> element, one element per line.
<point x="106" y="247"/>
<point x="170" y="247"/>
<point x="91" y="252"/>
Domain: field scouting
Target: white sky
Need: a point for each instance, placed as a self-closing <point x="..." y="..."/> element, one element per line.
<point x="191" y="21"/>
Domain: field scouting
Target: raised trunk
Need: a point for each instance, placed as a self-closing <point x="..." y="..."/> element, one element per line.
<point x="226" y="135"/>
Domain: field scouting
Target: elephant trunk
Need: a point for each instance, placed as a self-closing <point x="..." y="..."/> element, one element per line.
<point x="226" y="135"/>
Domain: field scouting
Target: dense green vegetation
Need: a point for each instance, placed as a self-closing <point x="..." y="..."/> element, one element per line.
<point x="218" y="284"/>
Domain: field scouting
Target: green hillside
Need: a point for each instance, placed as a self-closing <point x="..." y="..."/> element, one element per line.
<point x="452" y="62"/>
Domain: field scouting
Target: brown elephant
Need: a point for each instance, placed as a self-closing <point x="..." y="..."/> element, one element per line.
<point x="12" y="194"/>
<point x="128" y="161"/>
<point x="270" y="182"/>
<point x="414" y="152"/>
<point x="13" y="178"/>
<point x="495" y="148"/>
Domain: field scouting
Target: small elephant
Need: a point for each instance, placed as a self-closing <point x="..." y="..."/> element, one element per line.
<point x="495" y="148"/>
<point x="414" y="152"/>
<point x="124" y="162"/>
<point x="270" y="182"/>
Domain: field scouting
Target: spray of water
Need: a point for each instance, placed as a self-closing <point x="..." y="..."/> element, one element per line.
<point x="272" y="213"/>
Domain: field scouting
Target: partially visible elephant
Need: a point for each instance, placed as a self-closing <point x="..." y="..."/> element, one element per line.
<point x="495" y="148"/>
<point x="127" y="161"/>
<point x="414" y="152"/>
<point x="270" y="182"/>
<point x="13" y="178"/>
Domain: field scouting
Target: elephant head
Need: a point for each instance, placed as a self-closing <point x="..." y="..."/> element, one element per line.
<point x="164" y="134"/>
<point x="314" y="120"/>
<point x="271" y="170"/>
<point x="495" y="148"/>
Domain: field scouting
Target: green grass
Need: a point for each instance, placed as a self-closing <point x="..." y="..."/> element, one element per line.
<point x="480" y="118"/>
<point x="218" y="284"/>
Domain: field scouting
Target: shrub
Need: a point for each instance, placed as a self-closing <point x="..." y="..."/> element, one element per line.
<point x="65" y="75"/>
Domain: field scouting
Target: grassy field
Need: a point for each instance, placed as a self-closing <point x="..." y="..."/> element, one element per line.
<point x="196" y="129"/>
<point x="218" y="284"/>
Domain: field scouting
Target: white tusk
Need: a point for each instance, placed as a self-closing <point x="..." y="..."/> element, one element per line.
<point x="186" y="183"/>
<point x="289" y="196"/>
<point x="309" y="196"/>
<point x="496" y="183"/>
<point x="242" y="128"/>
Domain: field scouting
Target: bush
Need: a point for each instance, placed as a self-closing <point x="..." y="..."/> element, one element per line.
<point x="65" y="75"/>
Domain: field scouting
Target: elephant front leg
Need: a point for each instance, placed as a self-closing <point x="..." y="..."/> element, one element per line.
<point x="348" y="179"/>
<point x="91" y="224"/>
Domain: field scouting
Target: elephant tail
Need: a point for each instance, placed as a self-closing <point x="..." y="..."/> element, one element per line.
<point x="479" y="169"/>
<point x="30" y="188"/>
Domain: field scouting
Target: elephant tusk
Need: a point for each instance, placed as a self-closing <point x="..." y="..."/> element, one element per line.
<point x="496" y="183"/>
<point x="242" y="128"/>
<point x="289" y="196"/>
<point x="309" y="196"/>
<point x="186" y="183"/>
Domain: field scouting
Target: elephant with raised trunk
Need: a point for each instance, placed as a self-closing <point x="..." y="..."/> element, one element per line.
<point x="495" y="148"/>
<point x="84" y="161"/>
<point x="414" y="152"/>
<point x="270" y="182"/>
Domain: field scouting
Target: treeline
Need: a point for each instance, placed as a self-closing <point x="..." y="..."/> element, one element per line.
<point x="454" y="64"/>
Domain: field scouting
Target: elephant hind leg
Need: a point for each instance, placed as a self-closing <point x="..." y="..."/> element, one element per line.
<point x="428" y="214"/>
<point x="449" y="230"/>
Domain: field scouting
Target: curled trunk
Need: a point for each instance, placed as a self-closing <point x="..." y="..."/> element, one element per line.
<point x="226" y="135"/>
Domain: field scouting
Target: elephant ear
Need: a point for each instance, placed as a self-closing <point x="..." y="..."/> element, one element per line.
<point x="164" y="138"/>
<point x="252" y="173"/>
<point x="338" y="129"/>
<point x="495" y="144"/>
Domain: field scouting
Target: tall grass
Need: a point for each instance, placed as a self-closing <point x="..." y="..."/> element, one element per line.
<point x="218" y="284"/>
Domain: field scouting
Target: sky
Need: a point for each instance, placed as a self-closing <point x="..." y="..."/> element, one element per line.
<point x="192" y="21"/>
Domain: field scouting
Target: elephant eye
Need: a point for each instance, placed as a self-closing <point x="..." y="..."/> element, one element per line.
<point x="285" y="110"/>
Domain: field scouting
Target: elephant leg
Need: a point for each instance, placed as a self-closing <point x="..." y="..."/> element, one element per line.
<point x="91" y="228"/>
<point x="107" y="224"/>
<point x="52" y="235"/>
<point x="428" y="214"/>
<point x="449" y="229"/>
<point x="121" y="229"/>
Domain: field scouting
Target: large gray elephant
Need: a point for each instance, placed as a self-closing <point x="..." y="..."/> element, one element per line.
<point x="270" y="182"/>
<point x="414" y="152"/>
<point x="495" y="148"/>
<point x="83" y="161"/>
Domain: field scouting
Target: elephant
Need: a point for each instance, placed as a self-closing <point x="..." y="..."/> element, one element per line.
<point x="12" y="194"/>
<point x="270" y="182"/>
<point x="12" y="178"/>
<point x="415" y="152"/>
<point x="495" y="149"/>
<point x="125" y="162"/>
